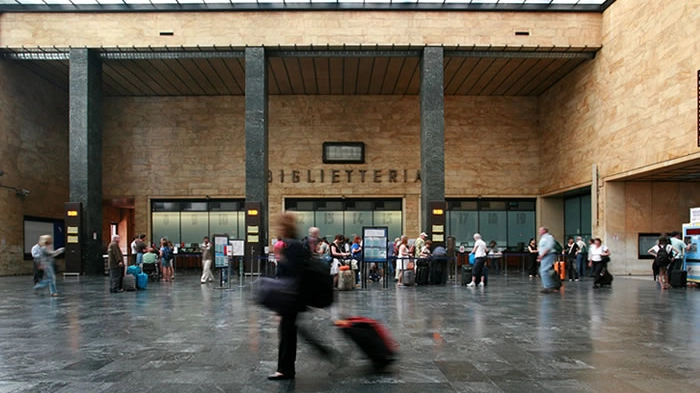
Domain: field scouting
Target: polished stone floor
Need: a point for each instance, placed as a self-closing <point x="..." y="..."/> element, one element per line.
<point x="508" y="337"/>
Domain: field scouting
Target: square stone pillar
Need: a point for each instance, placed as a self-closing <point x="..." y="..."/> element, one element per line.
<point x="85" y="157"/>
<point x="432" y="131"/>
<point x="256" y="120"/>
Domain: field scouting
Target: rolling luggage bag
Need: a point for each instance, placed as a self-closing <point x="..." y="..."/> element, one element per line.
<point x="142" y="280"/>
<point x="373" y="338"/>
<point x="346" y="280"/>
<point x="466" y="274"/>
<point x="678" y="278"/>
<point x="129" y="283"/>
<point x="560" y="268"/>
<point x="408" y="278"/>
<point x="556" y="278"/>
<point x="422" y="272"/>
<point x="437" y="271"/>
<point x="133" y="270"/>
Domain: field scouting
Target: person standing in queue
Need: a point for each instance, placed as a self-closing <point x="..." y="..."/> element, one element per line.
<point x="293" y="254"/>
<point x="403" y="259"/>
<point x="141" y="248"/>
<point x="479" y="251"/>
<point x="581" y="257"/>
<point x="207" y="275"/>
<point x="532" y="256"/>
<point x="546" y="257"/>
<point x="571" y="251"/>
<point x="115" y="259"/>
<point x="166" y="260"/>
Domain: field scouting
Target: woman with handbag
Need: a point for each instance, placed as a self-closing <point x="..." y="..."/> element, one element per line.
<point x="403" y="260"/>
<point x="338" y="256"/>
<point x="290" y="267"/>
<point x="600" y="256"/>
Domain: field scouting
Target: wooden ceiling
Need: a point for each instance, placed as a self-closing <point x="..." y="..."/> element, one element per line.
<point x="502" y="73"/>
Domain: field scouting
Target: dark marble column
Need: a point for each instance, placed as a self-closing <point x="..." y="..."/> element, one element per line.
<point x="432" y="130"/>
<point x="256" y="133"/>
<point x="85" y="141"/>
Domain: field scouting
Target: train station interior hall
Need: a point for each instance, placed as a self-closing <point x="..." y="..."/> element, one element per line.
<point x="180" y="119"/>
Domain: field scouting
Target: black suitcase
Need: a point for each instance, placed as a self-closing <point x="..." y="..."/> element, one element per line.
<point x="422" y="274"/>
<point x="556" y="278"/>
<point x="373" y="338"/>
<point x="466" y="274"/>
<point x="679" y="278"/>
<point x="437" y="271"/>
<point x="606" y="278"/>
<point x="129" y="283"/>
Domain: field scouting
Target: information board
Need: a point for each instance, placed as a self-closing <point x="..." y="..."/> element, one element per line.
<point x="220" y="243"/>
<point x="374" y="243"/>
<point x="238" y="247"/>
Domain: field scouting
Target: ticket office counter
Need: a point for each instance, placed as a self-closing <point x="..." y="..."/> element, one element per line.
<point x="188" y="260"/>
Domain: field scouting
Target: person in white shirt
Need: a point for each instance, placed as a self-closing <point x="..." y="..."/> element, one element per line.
<point x="479" y="251"/>
<point x="680" y="248"/>
<point x="38" y="273"/>
<point x="134" y="249"/>
<point x="581" y="257"/>
<point x="597" y="253"/>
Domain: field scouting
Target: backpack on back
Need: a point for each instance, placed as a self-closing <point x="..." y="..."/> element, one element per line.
<point x="663" y="258"/>
<point x="557" y="247"/>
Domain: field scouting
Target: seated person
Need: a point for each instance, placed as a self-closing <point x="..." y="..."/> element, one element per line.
<point x="150" y="256"/>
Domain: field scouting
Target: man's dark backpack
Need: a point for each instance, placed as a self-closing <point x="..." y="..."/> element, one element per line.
<point x="663" y="258"/>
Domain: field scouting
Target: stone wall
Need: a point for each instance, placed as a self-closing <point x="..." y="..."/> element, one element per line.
<point x="191" y="147"/>
<point x="635" y="105"/>
<point x="633" y="109"/>
<point x="33" y="156"/>
<point x="300" y="28"/>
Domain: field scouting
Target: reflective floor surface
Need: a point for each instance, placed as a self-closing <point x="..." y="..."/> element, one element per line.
<point x="508" y="337"/>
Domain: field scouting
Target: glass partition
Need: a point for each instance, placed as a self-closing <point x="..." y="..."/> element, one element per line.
<point x="226" y="223"/>
<point x="509" y="222"/>
<point x="462" y="225"/>
<point x="493" y="226"/>
<point x="188" y="221"/>
<point x="347" y="216"/>
<point x="577" y="217"/>
<point x="166" y="225"/>
<point x="521" y="228"/>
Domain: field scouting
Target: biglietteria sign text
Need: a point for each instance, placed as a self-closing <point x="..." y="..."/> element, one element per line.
<point x="343" y="176"/>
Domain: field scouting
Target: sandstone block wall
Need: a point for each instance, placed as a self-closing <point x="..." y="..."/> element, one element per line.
<point x="300" y="28"/>
<point x="632" y="109"/>
<point x="491" y="148"/>
<point x="635" y="105"/>
<point x="33" y="156"/>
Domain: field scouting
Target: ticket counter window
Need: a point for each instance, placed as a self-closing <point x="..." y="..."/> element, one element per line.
<point x="511" y="223"/>
<point x="189" y="221"/>
<point x="347" y="217"/>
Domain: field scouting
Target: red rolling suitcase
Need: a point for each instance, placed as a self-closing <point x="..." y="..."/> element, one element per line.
<point x="373" y="338"/>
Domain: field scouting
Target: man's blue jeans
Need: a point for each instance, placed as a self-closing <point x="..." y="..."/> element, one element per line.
<point x="49" y="279"/>
<point x="546" y="267"/>
<point x="581" y="264"/>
